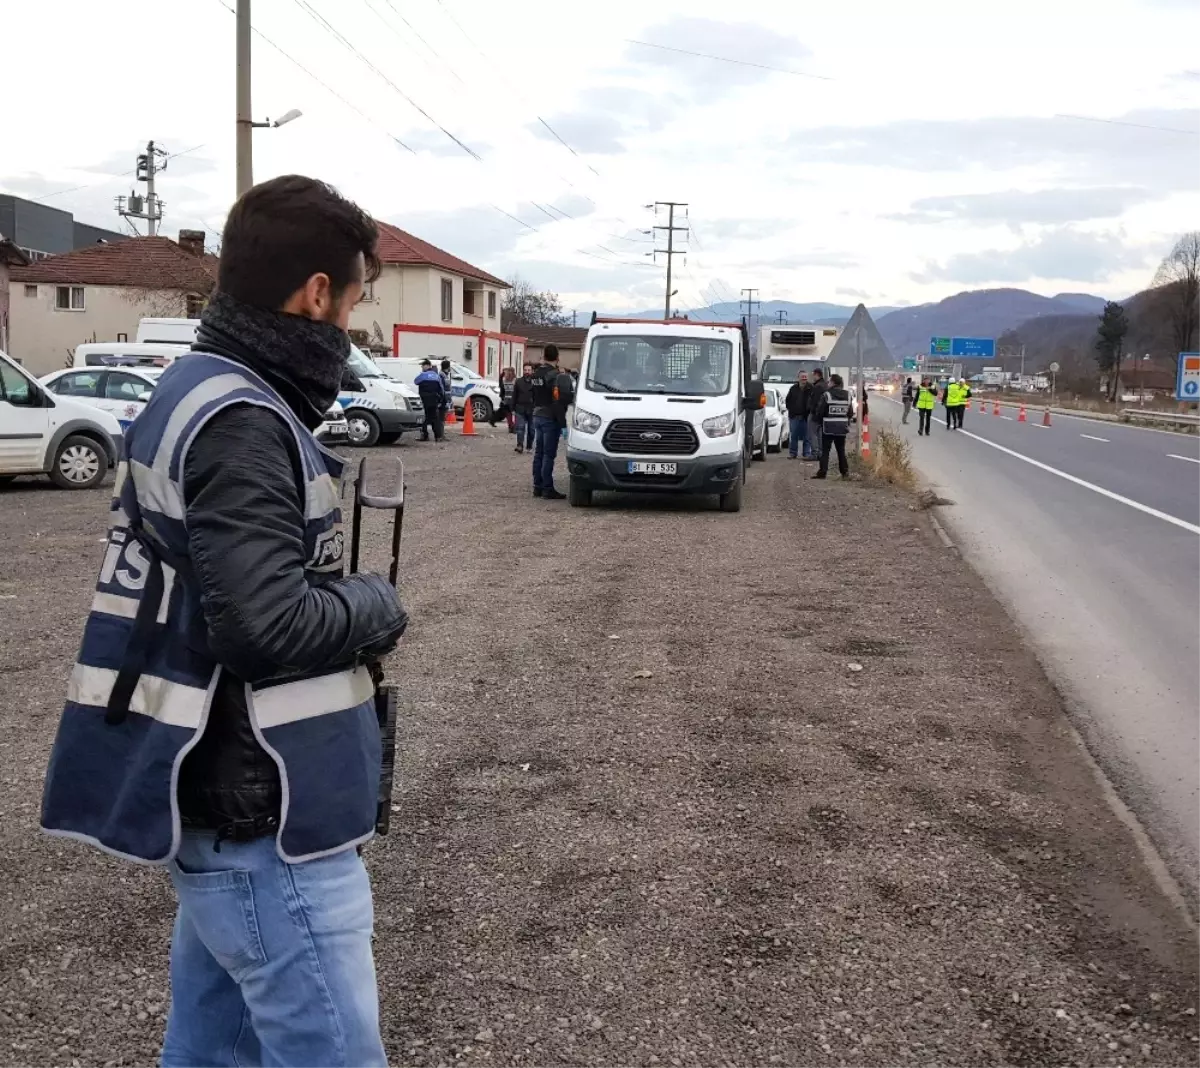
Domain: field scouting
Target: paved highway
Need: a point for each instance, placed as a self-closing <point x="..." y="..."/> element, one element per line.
<point x="1089" y="532"/>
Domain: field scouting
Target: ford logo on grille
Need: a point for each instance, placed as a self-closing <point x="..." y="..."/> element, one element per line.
<point x="650" y="435"/>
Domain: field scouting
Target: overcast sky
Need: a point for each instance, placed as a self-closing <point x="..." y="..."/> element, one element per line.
<point x="918" y="149"/>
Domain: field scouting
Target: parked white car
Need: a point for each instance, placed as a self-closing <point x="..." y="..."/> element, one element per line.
<point x="44" y="434"/>
<point x="124" y="391"/>
<point x="778" y="427"/>
<point x="464" y="383"/>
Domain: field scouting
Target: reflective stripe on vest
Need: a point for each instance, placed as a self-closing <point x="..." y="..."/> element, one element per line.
<point x="926" y="398"/>
<point x="112" y="777"/>
<point x="954" y="395"/>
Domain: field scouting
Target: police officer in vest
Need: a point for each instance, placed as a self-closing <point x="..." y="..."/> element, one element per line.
<point x="220" y="718"/>
<point x="926" y="401"/>
<point x="833" y="416"/>
<point x="553" y="393"/>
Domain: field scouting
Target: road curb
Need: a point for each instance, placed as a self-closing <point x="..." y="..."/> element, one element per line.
<point x="942" y="535"/>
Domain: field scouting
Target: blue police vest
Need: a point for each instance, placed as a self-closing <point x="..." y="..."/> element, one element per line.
<point x="139" y="695"/>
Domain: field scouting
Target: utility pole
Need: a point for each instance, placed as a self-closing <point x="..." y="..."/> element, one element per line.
<point x="147" y="207"/>
<point x="860" y="386"/>
<point x="245" y="129"/>
<point x="670" y="251"/>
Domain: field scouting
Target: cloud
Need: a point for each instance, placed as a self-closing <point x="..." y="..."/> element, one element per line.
<point x="598" y="133"/>
<point x="478" y="234"/>
<point x="605" y="115"/>
<point x="1125" y="150"/>
<point x="435" y="143"/>
<point x="704" y="80"/>
<point x="1063" y="253"/>
<point x="1016" y="206"/>
<point x="846" y="291"/>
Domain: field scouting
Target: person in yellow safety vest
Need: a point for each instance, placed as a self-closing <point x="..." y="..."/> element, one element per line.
<point x="926" y="399"/>
<point x="952" y="399"/>
<point x="964" y="398"/>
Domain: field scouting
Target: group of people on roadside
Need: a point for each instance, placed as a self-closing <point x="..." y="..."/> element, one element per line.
<point x="819" y="417"/>
<point x="955" y="396"/>
<point x="535" y="407"/>
<point x="436" y="398"/>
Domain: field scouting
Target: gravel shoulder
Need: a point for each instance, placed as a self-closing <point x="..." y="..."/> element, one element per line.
<point x="676" y="787"/>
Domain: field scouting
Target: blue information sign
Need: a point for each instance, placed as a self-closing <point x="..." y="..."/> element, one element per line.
<point x="973" y="348"/>
<point x="1187" y="383"/>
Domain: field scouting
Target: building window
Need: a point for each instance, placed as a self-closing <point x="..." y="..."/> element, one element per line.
<point x="447" y="300"/>
<point x="68" y="298"/>
<point x="368" y="293"/>
<point x="468" y="301"/>
<point x="31" y="291"/>
<point x="491" y="304"/>
<point x="193" y="305"/>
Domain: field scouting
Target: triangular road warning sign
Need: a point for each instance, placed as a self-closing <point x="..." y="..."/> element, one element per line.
<point x="875" y="352"/>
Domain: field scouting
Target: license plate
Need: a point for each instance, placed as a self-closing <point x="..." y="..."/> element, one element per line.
<point x="644" y="467"/>
<point x="338" y="430"/>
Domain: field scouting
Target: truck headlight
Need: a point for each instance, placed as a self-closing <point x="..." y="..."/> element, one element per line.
<point x="586" y="422"/>
<point x="414" y="404"/>
<point x="720" y="426"/>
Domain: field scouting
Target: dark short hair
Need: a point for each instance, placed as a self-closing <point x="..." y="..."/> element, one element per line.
<point x="551" y="353"/>
<point x="283" y="231"/>
<point x="445" y="363"/>
<point x="426" y="363"/>
<point x="818" y="373"/>
<point x="835" y="380"/>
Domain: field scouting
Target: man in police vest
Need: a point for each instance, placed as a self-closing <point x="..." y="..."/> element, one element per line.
<point x="220" y="719"/>
<point x="832" y="414"/>
<point x="553" y="393"/>
<point x="952" y="399"/>
<point x="926" y="402"/>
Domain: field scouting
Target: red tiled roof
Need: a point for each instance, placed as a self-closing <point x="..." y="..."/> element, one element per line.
<point x="399" y="246"/>
<point x="143" y="262"/>
<point x="568" y="336"/>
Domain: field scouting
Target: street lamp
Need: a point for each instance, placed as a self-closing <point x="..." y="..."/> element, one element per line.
<point x="283" y="119"/>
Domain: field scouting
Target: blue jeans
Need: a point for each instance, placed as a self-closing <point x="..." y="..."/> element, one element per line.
<point x="546" y="432"/>
<point x="797" y="434"/>
<point x="524" y="429"/>
<point x="270" y="962"/>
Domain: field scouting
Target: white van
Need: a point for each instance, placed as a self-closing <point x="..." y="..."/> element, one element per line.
<point x="664" y="407"/>
<point x="42" y="434"/>
<point x="484" y="394"/>
<point x="126" y="354"/>
<point x="169" y="331"/>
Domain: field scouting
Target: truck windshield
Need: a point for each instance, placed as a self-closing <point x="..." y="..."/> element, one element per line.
<point x="362" y="365"/>
<point x="658" y="363"/>
<point x="786" y="368"/>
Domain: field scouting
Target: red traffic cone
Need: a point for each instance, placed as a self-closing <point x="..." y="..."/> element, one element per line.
<point x="866" y="438"/>
<point x="468" y="429"/>
<point x="451" y="418"/>
<point x="1046" y="416"/>
<point x="1021" y="414"/>
<point x="995" y="407"/>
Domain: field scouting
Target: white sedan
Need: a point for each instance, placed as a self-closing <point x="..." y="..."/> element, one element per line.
<point x="124" y="391"/>
<point x="777" y="421"/>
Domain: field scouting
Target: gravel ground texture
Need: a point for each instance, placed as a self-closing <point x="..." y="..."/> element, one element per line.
<point x="675" y="787"/>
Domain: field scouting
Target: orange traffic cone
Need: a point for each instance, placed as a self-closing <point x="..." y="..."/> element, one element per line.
<point x="1021" y="414"/>
<point x="468" y="419"/>
<point x="866" y="438"/>
<point x="995" y="407"/>
<point x="451" y="418"/>
<point x="1046" y="416"/>
<point x="983" y="405"/>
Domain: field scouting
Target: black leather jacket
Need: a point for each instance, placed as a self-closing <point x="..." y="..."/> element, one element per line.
<point x="243" y="489"/>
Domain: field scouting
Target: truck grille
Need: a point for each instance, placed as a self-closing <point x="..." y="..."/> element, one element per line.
<point x="651" y="437"/>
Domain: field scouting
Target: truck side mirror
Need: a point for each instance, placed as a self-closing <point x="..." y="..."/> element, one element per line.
<point x="756" y="396"/>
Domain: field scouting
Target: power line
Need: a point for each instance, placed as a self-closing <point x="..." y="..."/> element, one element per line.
<point x="324" y="85"/>
<point x="323" y="22"/>
<point x="107" y="178"/>
<point x="1135" y="125"/>
<point x="727" y="59"/>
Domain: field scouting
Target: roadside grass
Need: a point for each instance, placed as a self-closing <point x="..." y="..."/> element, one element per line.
<point x="891" y="459"/>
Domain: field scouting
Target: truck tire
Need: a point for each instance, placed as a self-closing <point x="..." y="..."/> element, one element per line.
<point x="732" y="501"/>
<point x="579" y="493"/>
<point x="362" y="427"/>
<point x="481" y="409"/>
<point x="761" y="454"/>
<point x="79" y="464"/>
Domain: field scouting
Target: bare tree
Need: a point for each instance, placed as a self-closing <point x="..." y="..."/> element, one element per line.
<point x="1179" y="275"/>
<point x="523" y="305"/>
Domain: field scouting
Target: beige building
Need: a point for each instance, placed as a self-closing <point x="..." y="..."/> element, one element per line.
<point x="567" y="339"/>
<point x="99" y="293"/>
<point x="422" y="285"/>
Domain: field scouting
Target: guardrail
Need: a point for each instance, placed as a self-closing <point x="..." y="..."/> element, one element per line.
<point x="1182" y="418"/>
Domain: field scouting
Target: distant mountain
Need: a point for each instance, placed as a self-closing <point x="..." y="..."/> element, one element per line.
<point x="819" y="313"/>
<point x="977" y="313"/>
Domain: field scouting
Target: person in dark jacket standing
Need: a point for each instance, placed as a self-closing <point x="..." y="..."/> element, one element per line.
<point x="434" y="400"/>
<point x="796" y="403"/>
<point x="815" y="392"/>
<point x="909" y="398"/>
<point x="523" y="408"/>
<point x="220" y="718"/>
<point x="448" y="383"/>
<point x="832" y="413"/>
<point x="553" y="394"/>
<point x="507" y="377"/>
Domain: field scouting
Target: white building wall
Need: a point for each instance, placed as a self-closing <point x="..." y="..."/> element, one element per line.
<point x="44" y="338"/>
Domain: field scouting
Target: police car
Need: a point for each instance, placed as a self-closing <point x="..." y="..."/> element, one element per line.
<point x="124" y="391"/>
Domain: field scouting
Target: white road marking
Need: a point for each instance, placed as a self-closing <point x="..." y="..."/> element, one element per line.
<point x="1088" y="485"/>
<point x="1190" y="459"/>
<point x="1008" y="417"/>
<point x="1042" y="425"/>
<point x="1092" y="437"/>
